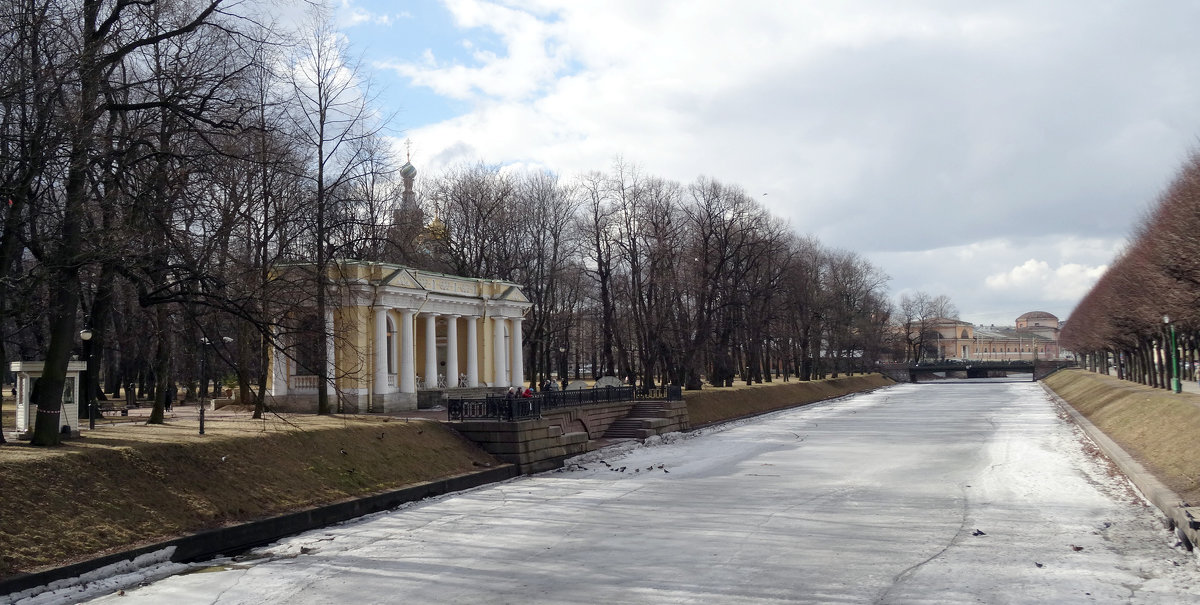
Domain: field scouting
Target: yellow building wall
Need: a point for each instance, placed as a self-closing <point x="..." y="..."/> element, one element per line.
<point x="353" y="340"/>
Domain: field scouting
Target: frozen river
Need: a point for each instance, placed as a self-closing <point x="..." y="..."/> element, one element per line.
<point x="962" y="493"/>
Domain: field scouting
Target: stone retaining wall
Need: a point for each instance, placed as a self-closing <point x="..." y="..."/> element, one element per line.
<point x="542" y="444"/>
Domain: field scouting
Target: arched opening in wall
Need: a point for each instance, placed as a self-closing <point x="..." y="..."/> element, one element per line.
<point x="964" y="333"/>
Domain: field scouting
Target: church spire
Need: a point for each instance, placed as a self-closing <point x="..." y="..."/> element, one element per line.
<point x="408" y="173"/>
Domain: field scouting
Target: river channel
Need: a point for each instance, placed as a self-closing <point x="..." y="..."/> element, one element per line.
<point x="958" y="492"/>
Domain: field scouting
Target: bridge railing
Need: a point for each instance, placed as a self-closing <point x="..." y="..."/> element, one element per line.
<point x="1037" y="369"/>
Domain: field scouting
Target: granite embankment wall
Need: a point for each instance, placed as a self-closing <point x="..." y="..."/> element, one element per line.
<point x="543" y="444"/>
<point x="1150" y="434"/>
<point x="713" y="405"/>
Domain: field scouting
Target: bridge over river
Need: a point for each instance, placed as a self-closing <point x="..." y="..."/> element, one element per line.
<point x="915" y="372"/>
<point x="952" y="493"/>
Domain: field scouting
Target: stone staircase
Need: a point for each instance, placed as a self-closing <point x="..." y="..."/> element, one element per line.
<point x="644" y="419"/>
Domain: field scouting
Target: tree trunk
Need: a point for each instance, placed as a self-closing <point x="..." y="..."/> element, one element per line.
<point x="162" y="366"/>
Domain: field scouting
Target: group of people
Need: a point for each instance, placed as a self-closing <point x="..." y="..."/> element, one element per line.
<point x="526" y="392"/>
<point x="518" y="392"/>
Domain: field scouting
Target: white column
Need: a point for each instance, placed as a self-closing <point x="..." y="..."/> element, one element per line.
<point x="452" y="351"/>
<point x="430" y="350"/>
<point x="408" y="381"/>
<point x="330" y="353"/>
<point x="498" y="353"/>
<point x="472" y="351"/>
<point x="379" y="379"/>
<point x="279" y="370"/>
<point x="518" y="354"/>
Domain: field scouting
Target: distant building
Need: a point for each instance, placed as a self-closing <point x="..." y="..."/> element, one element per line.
<point x="1034" y="336"/>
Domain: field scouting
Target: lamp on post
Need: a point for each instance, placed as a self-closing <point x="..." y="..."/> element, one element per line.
<point x="562" y="361"/>
<point x="205" y="343"/>
<point x="1175" y="385"/>
<point x="86" y="336"/>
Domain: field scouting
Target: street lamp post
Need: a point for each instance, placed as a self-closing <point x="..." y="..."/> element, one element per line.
<point x="562" y="375"/>
<point x="86" y="336"/>
<point x="1175" y="385"/>
<point x="204" y="342"/>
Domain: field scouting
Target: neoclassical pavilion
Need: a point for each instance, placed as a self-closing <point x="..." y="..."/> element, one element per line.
<point x="398" y="332"/>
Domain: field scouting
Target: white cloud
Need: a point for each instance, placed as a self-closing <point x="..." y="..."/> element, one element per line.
<point x="533" y="55"/>
<point x="348" y="14"/>
<point x="1067" y="282"/>
<point x="950" y="143"/>
<point x="995" y="280"/>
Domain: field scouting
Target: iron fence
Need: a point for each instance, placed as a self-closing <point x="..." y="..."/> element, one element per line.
<point x="504" y="407"/>
<point x="494" y="409"/>
<point x="663" y="393"/>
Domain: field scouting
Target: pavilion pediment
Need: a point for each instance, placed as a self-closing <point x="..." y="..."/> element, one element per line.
<point x="402" y="278"/>
<point x="513" y="293"/>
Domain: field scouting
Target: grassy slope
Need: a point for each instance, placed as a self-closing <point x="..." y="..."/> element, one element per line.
<point x="102" y="494"/>
<point x="1160" y="429"/>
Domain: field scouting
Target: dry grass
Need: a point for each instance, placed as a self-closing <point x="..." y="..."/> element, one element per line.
<point x="719" y="404"/>
<point x="1158" y="428"/>
<point x="129" y="484"/>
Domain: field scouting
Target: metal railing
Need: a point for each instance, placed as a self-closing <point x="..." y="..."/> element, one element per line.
<point x="494" y="409"/>
<point x="663" y="393"/>
<point x="503" y="407"/>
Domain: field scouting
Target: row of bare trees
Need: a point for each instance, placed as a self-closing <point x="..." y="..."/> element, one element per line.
<point x="1151" y="291"/>
<point x="160" y="159"/>
<point x="157" y="159"/>
<point x="641" y="277"/>
<point x="919" y="315"/>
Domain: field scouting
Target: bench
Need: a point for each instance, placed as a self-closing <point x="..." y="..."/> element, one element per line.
<point x="113" y="407"/>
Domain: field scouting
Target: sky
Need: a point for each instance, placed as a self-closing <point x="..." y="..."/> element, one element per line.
<point x="999" y="153"/>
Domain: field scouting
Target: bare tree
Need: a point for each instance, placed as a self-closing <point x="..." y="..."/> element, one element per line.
<point x="109" y="34"/>
<point x="335" y="127"/>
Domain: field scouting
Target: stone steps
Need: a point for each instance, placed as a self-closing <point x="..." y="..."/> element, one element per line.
<point x="625" y="428"/>
<point x="645" y="418"/>
<point x="648" y="409"/>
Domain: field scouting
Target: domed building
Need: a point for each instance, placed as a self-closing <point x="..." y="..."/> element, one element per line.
<point x="1034" y="336"/>
<point x="1040" y="323"/>
<point x="1035" y="319"/>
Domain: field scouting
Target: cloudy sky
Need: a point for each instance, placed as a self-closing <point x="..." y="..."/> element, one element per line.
<point x="995" y="152"/>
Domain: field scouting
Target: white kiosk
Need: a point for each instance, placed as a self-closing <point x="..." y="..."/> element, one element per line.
<point x="28" y="373"/>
